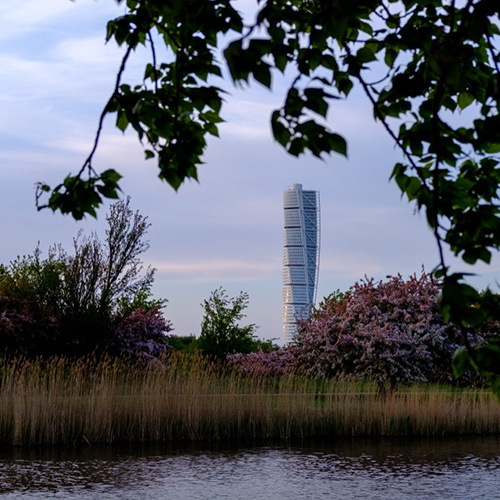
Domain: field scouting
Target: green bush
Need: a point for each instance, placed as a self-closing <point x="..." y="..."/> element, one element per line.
<point x="221" y="333"/>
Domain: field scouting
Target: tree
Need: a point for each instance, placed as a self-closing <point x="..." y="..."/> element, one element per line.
<point x="99" y="275"/>
<point x="429" y="68"/>
<point x="220" y="332"/>
<point x="390" y="332"/>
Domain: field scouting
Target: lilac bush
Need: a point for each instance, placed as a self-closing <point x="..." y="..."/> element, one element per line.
<point x="260" y="363"/>
<point x="391" y="332"/>
<point x="388" y="331"/>
<point x="142" y="333"/>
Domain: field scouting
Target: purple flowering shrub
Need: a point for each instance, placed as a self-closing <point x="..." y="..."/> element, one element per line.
<point x="142" y="333"/>
<point x="391" y="332"/>
<point x="260" y="363"/>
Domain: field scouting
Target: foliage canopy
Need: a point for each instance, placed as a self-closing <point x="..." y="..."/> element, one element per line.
<point x="429" y="68"/>
<point x="221" y="333"/>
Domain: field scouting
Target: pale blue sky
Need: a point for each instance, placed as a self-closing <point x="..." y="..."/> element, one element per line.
<point x="225" y="230"/>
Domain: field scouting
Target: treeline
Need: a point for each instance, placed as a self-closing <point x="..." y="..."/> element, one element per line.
<point x="97" y="301"/>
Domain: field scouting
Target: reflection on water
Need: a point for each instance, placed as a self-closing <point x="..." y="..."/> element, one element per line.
<point x="459" y="469"/>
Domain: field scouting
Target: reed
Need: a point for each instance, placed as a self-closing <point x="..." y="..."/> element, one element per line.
<point x="63" y="402"/>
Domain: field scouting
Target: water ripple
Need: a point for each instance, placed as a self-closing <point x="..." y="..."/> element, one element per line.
<point x="461" y="468"/>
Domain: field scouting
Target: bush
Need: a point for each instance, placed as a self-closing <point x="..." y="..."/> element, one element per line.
<point x="185" y="344"/>
<point x="95" y="300"/>
<point x="141" y="333"/>
<point x="220" y="332"/>
<point x="30" y="304"/>
<point x="273" y="363"/>
<point x="391" y="332"/>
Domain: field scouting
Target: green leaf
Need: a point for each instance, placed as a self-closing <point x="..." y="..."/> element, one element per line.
<point x="212" y="129"/>
<point x="338" y="144"/>
<point x="366" y="54"/>
<point x="108" y="191"/>
<point x="110" y="29"/>
<point x="366" y="28"/>
<point x="262" y="74"/>
<point x="461" y="362"/>
<point x="122" y="120"/>
<point x="399" y="169"/>
<point x="464" y="100"/>
<point x="111" y="175"/>
<point x="488" y="357"/>
<point x="281" y="61"/>
<point x="413" y="187"/>
<point x="315" y="101"/>
<point x="280" y="132"/>
<point x="492" y="148"/>
<point x="390" y="56"/>
<point x="297" y="146"/>
<point x="458" y="302"/>
<point x="440" y="273"/>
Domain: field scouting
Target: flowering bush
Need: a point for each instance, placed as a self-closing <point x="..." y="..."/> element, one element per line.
<point x="390" y="332"/>
<point x="260" y="363"/>
<point x="142" y="333"/>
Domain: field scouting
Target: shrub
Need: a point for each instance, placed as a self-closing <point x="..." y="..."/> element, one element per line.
<point x="221" y="333"/>
<point x="141" y="333"/>
<point x="185" y="344"/>
<point x="391" y="332"/>
<point x="96" y="300"/>
<point x="260" y="363"/>
<point x="30" y="304"/>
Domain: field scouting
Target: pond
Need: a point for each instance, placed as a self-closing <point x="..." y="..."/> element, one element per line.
<point x="462" y="468"/>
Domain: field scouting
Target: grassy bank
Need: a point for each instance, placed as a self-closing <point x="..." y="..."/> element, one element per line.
<point x="60" y="402"/>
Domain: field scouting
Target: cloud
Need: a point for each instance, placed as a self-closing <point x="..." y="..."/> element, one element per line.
<point x="246" y="118"/>
<point x="35" y="15"/>
<point x="20" y="16"/>
<point x="88" y="51"/>
<point x="112" y="145"/>
<point x="215" y="269"/>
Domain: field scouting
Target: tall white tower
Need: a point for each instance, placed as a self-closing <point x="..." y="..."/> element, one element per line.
<point x="300" y="256"/>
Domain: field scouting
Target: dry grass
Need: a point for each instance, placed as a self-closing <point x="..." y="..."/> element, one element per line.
<point x="63" y="402"/>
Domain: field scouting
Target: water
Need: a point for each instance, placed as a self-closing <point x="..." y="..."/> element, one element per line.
<point x="458" y="469"/>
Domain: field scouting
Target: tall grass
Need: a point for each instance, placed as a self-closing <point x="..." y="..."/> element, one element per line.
<point x="88" y="401"/>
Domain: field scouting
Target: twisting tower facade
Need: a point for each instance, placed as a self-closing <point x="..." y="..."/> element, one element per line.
<point x="300" y="256"/>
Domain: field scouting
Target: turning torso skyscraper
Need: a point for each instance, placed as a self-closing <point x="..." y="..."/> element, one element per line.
<point x="300" y="256"/>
